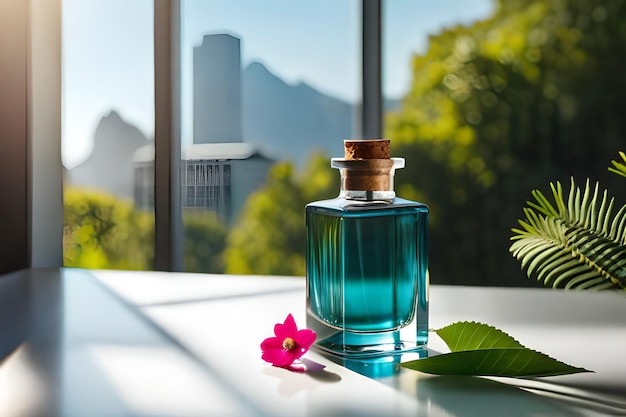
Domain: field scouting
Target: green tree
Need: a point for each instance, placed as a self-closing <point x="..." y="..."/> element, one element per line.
<point x="495" y="108"/>
<point x="101" y="231"/>
<point x="269" y="237"/>
<point x="205" y="240"/>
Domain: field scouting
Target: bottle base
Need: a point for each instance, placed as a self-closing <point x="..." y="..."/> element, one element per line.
<point x="369" y="345"/>
<point x="377" y="366"/>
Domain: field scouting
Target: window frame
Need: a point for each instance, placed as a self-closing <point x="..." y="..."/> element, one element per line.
<point x="36" y="218"/>
<point x="31" y="223"/>
<point x="168" y="227"/>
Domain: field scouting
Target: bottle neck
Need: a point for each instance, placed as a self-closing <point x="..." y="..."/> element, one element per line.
<point x="367" y="179"/>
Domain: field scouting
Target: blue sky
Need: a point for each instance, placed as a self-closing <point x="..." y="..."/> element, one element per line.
<point x="108" y="51"/>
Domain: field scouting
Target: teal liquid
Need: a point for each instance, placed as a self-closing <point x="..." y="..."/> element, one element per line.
<point x="366" y="268"/>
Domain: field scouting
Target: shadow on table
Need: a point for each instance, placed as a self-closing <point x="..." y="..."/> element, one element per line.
<point x="472" y="396"/>
<point x="476" y="396"/>
<point x="14" y="317"/>
<point x="479" y="396"/>
<point x="291" y="383"/>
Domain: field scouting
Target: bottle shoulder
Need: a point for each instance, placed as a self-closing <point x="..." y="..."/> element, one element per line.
<point x="359" y="206"/>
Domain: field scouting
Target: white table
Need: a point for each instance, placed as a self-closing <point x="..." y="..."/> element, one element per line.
<point x="116" y="343"/>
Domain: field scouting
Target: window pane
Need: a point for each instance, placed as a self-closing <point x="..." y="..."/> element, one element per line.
<point x="108" y="127"/>
<point x="265" y="85"/>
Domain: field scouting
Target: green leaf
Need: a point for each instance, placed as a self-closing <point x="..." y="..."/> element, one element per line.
<point x="510" y="362"/>
<point x="482" y="350"/>
<point x="466" y="335"/>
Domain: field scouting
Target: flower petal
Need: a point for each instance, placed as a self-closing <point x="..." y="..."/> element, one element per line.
<point x="277" y="357"/>
<point x="281" y="357"/>
<point x="291" y="356"/>
<point x="274" y="348"/>
<point x="276" y="354"/>
<point x="287" y="329"/>
<point x="305" y="338"/>
<point x="272" y="343"/>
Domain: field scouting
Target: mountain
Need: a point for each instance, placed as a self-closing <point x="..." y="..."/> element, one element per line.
<point x="283" y="121"/>
<point x="273" y="110"/>
<point x="110" y="164"/>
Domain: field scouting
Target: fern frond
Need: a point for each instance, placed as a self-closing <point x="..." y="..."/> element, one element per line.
<point x="618" y="227"/>
<point x="618" y="167"/>
<point x="574" y="244"/>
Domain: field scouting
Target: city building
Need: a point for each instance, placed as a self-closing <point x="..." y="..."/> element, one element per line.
<point x="217" y="90"/>
<point x="217" y="177"/>
<point x="218" y="171"/>
<point x="220" y="177"/>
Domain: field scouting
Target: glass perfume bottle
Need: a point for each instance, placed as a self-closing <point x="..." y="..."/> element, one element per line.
<point x="367" y="259"/>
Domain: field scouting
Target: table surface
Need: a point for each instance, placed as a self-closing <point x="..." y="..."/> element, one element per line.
<point x="115" y="343"/>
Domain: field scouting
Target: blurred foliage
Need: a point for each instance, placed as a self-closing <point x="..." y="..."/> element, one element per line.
<point x="497" y="107"/>
<point x="104" y="232"/>
<point x="205" y="240"/>
<point x="269" y="237"/>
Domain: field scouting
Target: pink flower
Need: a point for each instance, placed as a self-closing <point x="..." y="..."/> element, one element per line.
<point x="288" y="345"/>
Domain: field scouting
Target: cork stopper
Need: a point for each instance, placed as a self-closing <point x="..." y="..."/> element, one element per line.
<point x="367" y="168"/>
<point x="367" y="175"/>
<point x="367" y="149"/>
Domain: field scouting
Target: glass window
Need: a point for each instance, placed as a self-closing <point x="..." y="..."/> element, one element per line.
<point x="264" y="84"/>
<point x="486" y="100"/>
<point x="108" y="128"/>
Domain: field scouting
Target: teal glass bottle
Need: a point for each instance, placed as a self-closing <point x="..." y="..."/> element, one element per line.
<point x="367" y="259"/>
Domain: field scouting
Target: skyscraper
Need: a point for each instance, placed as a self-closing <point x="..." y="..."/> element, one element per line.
<point x="217" y="90"/>
<point x="219" y="171"/>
